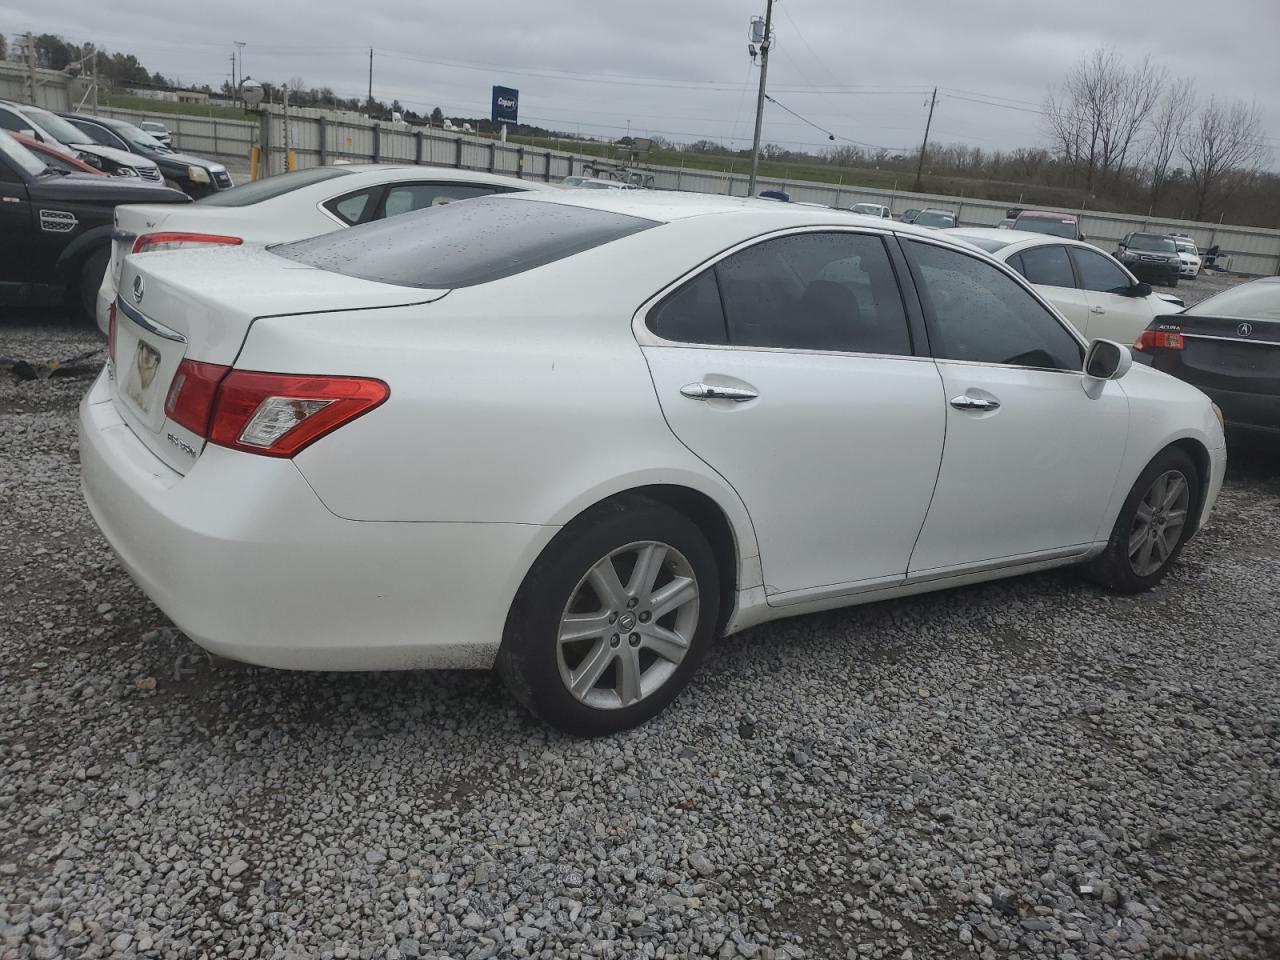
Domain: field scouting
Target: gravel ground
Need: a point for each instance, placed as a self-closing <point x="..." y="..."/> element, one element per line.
<point x="1030" y="768"/>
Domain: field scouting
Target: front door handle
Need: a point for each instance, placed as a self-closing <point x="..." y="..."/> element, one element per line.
<point x="974" y="403"/>
<point x="1097" y="310"/>
<point x="709" y="391"/>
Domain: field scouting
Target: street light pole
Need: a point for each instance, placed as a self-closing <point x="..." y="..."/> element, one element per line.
<point x="764" y="70"/>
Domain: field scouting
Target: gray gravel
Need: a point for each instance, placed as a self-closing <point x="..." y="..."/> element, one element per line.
<point x="1024" y="769"/>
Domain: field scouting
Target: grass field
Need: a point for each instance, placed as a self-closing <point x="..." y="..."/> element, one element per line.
<point x="125" y="102"/>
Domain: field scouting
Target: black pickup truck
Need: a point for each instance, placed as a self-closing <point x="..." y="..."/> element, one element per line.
<point x="55" y="227"/>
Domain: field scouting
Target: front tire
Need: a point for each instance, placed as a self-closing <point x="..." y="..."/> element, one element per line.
<point x="91" y="273"/>
<point x="613" y="618"/>
<point x="1157" y="519"/>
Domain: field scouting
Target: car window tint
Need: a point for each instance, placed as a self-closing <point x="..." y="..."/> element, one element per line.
<point x="815" y="291"/>
<point x="268" y="188"/>
<point x="101" y="136"/>
<point x="407" y="197"/>
<point x="1047" y="265"/>
<point x="978" y="313"/>
<point x="692" y="314"/>
<point x="1098" y="272"/>
<point x="11" y="122"/>
<point x="463" y="244"/>
<point x="350" y="208"/>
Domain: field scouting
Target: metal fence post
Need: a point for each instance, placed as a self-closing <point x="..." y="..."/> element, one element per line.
<point x="417" y="147"/>
<point x="547" y="175"/>
<point x="377" y="143"/>
<point x="520" y="162"/>
<point x="324" y="139"/>
<point x="493" y="155"/>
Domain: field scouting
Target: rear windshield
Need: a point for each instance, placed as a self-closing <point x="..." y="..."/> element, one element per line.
<point x="989" y="244"/>
<point x="462" y="244"/>
<point x="246" y="195"/>
<point x="1055" y="228"/>
<point x="1259" y="300"/>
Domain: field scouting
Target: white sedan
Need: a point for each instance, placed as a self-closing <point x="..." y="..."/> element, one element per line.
<point x="292" y="206"/>
<point x="577" y="434"/>
<point x="1096" y="294"/>
<point x="1189" y="254"/>
<point x="872" y="210"/>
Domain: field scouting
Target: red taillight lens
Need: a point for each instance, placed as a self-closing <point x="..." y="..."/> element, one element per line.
<point x="150" y="242"/>
<point x="191" y="395"/>
<point x="1160" y="339"/>
<point x="278" y="414"/>
<point x="111" y="332"/>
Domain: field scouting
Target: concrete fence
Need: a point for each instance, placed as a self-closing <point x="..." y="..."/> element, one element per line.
<point x="319" y="137"/>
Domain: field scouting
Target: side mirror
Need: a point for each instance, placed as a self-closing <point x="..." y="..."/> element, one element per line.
<point x="1081" y="237"/>
<point x="1107" y="360"/>
<point x="1140" y="289"/>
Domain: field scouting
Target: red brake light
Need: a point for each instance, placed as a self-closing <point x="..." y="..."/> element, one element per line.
<point x="278" y="415"/>
<point x="1160" y="339"/>
<point x="175" y="241"/>
<point x="191" y="395"/>
<point x="111" y="332"/>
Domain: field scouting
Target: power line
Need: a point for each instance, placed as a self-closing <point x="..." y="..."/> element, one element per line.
<point x="830" y="134"/>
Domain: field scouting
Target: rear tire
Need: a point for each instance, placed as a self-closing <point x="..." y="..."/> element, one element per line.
<point x="1173" y="282"/>
<point x="593" y="654"/>
<point x="91" y="273"/>
<point x="1157" y="519"/>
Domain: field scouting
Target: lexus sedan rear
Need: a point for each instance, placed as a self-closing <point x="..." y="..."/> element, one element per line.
<point x="574" y="435"/>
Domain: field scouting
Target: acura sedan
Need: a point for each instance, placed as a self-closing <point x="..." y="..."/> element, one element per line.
<point x="577" y="434"/>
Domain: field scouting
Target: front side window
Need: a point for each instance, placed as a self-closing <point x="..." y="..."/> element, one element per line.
<point x="407" y="197"/>
<point x="1048" y="266"/>
<point x="815" y="291"/>
<point x="19" y="156"/>
<point x="1099" y="273"/>
<point x="979" y="314"/>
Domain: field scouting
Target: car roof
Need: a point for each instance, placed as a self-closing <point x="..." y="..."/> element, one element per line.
<point x="1047" y="215"/>
<point x="1015" y="239"/>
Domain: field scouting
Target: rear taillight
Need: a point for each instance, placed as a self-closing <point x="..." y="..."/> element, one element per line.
<point x="279" y="414"/>
<point x="191" y="395"/>
<point x="1160" y="339"/>
<point x="111" y="332"/>
<point x="150" y="242"/>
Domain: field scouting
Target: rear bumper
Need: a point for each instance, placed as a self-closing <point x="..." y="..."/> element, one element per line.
<point x="106" y="297"/>
<point x="246" y="560"/>
<point x="1257" y="412"/>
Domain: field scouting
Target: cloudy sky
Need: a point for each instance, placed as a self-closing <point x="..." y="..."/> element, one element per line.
<point x="859" y="69"/>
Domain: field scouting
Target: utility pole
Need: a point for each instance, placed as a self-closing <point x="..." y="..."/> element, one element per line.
<point x="924" y="146"/>
<point x="370" y="103"/>
<point x="93" y="60"/>
<point x="764" y="70"/>
<point x="237" y="75"/>
<point x="30" y="45"/>
<point x="234" y="95"/>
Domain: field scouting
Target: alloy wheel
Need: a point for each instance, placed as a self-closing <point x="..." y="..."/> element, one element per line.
<point x="1159" y="522"/>
<point x="628" y="625"/>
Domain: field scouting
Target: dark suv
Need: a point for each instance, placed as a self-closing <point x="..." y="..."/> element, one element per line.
<point x="194" y="176"/>
<point x="1151" y="256"/>
<point x="55" y="226"/>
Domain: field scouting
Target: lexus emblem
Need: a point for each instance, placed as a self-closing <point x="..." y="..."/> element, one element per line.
<point x="1244" y="330"/>
<point x="138" y="289"/>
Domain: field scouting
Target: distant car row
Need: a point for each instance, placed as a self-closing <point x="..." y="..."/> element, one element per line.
<point x="115" y="147"/>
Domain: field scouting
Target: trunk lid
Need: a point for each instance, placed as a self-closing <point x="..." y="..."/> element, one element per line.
<point x="1228" y="353"/>
<point x="199" y="305"/>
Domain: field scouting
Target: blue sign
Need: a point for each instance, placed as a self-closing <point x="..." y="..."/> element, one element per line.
<point x="505" y="101"/>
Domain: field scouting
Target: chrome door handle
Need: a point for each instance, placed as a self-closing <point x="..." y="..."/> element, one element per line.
<point x="1097" y="310"/>
<point x="707" y="391"/>
<point x="974" y="403"/>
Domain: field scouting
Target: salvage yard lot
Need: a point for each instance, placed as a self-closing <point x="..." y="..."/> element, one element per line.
<point x="1029" y="768"/>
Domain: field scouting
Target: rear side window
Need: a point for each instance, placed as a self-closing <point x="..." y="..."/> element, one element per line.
<point x="1048" y="266"/>
<point x="270" y="187"/>
<point x="1099" y="273"/>
<point x="692" y="314"/>
<point x="979" y="314"/>
<point x="462" y="244"/>
<point x="351" y="208"/>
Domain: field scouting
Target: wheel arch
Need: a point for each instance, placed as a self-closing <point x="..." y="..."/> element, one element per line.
<point x="73" y="256"/>
<point x="1199" y="455"/>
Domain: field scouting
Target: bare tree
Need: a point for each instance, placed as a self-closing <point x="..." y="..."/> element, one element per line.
<point x="1168" y="125"/>
<point x="1096" y="116"/>
<point x="1224" y="141"/>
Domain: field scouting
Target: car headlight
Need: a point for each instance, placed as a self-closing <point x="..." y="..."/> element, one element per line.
<point x="125" y="172"/>
<point x="198" y="174"/>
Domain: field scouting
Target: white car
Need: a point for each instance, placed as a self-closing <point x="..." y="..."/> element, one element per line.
<point x="576" y="434"/>
<point x="1189" y="254"/>
<point x="1099" y="297"/>
<point x="291" y="206"/>
<point x="596" y="183"/>
<point x="872" y="210"/>
<point x="157" y="130"/>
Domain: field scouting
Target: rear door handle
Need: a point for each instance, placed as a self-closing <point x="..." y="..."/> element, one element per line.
<point x="708" y="391"/>
<point x="974" y="403"/>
